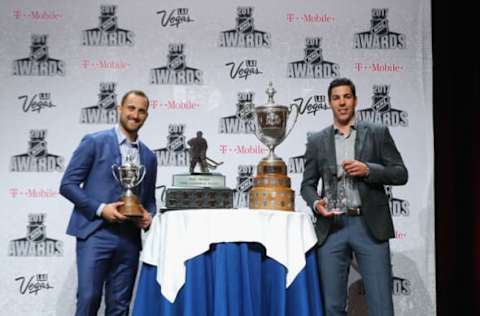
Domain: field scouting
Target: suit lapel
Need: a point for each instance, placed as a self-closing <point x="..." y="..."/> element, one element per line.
<point x="141" y="153"/>
<point x="117" y="156"/>
<point x="330" y="148"/>
<point x="360" y="140"/>
<point x="329" y="171"/>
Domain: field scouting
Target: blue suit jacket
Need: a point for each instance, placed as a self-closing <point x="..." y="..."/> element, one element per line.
<point x="88" y="180"/>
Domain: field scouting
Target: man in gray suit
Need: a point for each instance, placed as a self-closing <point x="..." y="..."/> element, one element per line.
<point x="354" y="160"/>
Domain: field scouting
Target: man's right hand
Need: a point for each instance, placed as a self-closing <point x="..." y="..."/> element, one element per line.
<point x="321" y="209"/>
<point x="111" y="214"/>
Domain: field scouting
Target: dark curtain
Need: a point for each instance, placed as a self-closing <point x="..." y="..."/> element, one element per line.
<point x="456" y="89"/>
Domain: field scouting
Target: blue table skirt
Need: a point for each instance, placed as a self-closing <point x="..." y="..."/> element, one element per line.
<point x="233" y="279"/>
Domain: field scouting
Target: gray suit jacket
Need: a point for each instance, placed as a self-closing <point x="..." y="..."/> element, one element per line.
<point x="375" y="147"/>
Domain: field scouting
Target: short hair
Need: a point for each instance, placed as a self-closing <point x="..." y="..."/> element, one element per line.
<point x="341" y="82"/>
<point x="139" y="93"/>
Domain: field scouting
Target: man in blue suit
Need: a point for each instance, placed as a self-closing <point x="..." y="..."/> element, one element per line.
<point x="354" y="160"/>
<point x="108" y="243"/>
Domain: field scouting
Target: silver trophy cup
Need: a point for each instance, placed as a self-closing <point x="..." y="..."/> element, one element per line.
<point x="271" y="120"/>
<point x="271" y="186"/>
<point x="129" y="175"/>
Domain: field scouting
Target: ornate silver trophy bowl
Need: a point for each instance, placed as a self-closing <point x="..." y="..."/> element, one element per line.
<point x="271" y="120"/>
<point x="129" y="175"/>
<point x="271" y="186"/>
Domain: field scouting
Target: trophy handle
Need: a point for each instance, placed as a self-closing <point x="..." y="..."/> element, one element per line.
<point x="143" y="172"/>
<point x="297" y="111"/>
<point x="114" y="172"/>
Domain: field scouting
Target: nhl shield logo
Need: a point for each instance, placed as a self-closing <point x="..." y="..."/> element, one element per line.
<point x="379" y="25"/>
<point x="244" y="24"/>
<point x="176" y="58"/>
<point x="176" y="142"/>
<point x="106" y="101"/>
<point x="176" y="61"/>
<point x="244" y="184"/>
<point x="39" y="49"/>
<point x="245" y="110"/>
<point x="107" y="98"/>
<point x="245" y="106"/>
<point x="244" y="20"/>
<point x="313" y="55"/>
<point x="108" y="20"/>
<point x="36" y="232"/>
<point x="381" y="102"/>
<point x="39" y="52"/>
<point x="37" y="148"/>
<point x="244" y="178"/>
<point x="313" y="52"/>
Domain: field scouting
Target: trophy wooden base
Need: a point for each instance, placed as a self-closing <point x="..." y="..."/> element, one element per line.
<point x="271" y="187"/>
<point x="131" y="208"/>
<point x="198" y="198"/>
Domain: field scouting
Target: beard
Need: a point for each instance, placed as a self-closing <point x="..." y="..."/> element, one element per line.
<point x="131" y="128"/>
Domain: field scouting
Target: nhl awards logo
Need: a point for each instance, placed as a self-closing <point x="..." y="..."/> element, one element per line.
<point x="105" y="111"/>
<point x="379" y="36"/>
<point x="36" y="243"/>
<point x="37" y="159"/>
<point x="313" y="66"/>
<point x="38" y="63"/>
<point x="176" y="72"/>
<point x="244" y="184"/>
<point x="108" y="33"/>
<point x="243" y="122"/>
<point x="176" y="153"/>
<point x="381" y="111"/>
<point x="398" y="207"/>
<point x="244" y="35"/>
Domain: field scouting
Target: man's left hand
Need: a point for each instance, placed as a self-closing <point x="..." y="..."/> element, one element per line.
<point x="144" y="221"/>
<point x="355" y="168"/>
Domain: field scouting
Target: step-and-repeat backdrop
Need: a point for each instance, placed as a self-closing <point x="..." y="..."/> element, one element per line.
<point x="204" y="65"/>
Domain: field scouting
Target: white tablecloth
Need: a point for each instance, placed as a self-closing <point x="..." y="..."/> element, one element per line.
<point x="177" y="236"/>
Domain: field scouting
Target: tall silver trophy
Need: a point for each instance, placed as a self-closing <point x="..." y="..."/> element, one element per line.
<point x="271" y="186"/>
<point x="129" y="174"/>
